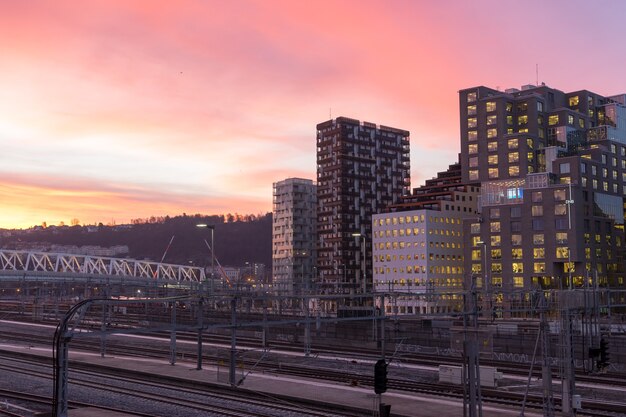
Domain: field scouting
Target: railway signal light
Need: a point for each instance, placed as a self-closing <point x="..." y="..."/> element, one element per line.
<point x="380" y="376"/>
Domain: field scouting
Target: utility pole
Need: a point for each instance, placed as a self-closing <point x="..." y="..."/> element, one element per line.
<point x="233" y="342"/>
<point x="471" y="378"/>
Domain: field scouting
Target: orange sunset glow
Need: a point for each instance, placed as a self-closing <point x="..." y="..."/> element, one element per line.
<point x="111" y="111"/>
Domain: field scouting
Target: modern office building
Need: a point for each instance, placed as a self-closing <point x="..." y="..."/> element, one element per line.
<point x="552" y="171"/>
<point x="362" y="168"/>
<point x="418" y="246"/>
<point x="294" y="235"/>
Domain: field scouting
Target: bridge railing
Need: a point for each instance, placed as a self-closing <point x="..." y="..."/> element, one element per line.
<point x="30" y="261"/>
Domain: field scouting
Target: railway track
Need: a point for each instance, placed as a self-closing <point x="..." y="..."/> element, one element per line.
<point x="190" y="397"/>
<point x="592" y="408"/>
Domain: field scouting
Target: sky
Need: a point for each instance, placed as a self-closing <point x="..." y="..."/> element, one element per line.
<point x="119" y="110"/>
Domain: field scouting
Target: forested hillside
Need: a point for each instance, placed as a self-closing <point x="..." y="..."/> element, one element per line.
<point x="238" y="239"/>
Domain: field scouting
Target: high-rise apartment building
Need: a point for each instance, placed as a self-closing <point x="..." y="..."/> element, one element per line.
<point x="552" y="170"/>
<point x="361" y="169"/>
<point x="418" y="246"/>
<point x="294" y="235"/>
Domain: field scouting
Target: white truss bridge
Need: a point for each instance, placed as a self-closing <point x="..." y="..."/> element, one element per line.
<point x="62" y="263"/>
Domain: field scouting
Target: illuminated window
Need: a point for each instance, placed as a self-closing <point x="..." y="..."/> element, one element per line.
<point x="522" y="120"/>
<point x="518" y="282"/>
<point x="539" y="253"/>
<point x="492" y="133"/>
<point x="539" y="120"/>
<point x="517" y="253"/>
<point x="472" y="135"/>
<point x="473" y="174"/>
<point x="581" y="123"/>
<point x="513" y="143"/>
<point x="492" y="146"/>
<point x="573" y="101"/>
<point x="494" y="227"/>
<point x="472" y="148"/>
<point x="552" y="119"/>
<point x="471" y="122"/>
<point x="496" y="253"/>
<point x="560" y="210"/>
<point x="561" y="238"/>
<point x="562" y="252"/>
<point x="529" y="143"/>
<point x="513" y="157"/>
<point x="537" y="210"/>
<point x="516" y="240"/>
<point x="493" y="172"/>
<point x="495" y="240"/>
<point x="494" y="213"/>
<point x="471" y="110"/>
<point x="509" y="120"/>
<point x="471" y="97"/>
<point x="522" y="107"/>
<point x="570" y="119"/>
<point x="514" y="171"/>
<point x="492" y="120"/>
<point x="492" y="159"/>
<point x="476" y="254"/>
<point x="537" y="197"/>
<point x="539" y="267"/>
<point x="568" y="267"/>
<point x="518" y="267"/>
<point x="559" y="195"/>
<point x="491" y="106"/>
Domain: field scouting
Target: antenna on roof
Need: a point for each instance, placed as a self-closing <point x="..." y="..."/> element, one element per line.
<point x="537" y="74"/>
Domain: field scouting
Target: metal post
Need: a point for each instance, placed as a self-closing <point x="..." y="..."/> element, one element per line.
<point x="173" y="335"/>
<point x="382" y="326"/>
<point x="200" y="326"/>
<point x="103" y="329"/>
<point x="307" y="328"/>
<point x="212" y="260"/>
<point x="546" y="370"/>
<point x="233" y="341"/>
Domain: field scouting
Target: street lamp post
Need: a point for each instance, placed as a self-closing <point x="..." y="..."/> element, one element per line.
<point x="200" y="304"/>
<point x="212" y="248"/>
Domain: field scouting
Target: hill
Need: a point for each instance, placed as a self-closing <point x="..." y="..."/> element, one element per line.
<point x="238" y="239"/>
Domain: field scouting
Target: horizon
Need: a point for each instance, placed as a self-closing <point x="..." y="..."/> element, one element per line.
<point x="138" y="110"/>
